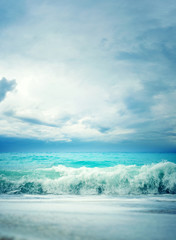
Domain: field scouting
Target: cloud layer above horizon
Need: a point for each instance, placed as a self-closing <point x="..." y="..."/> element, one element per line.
<point x="88" y="70"/>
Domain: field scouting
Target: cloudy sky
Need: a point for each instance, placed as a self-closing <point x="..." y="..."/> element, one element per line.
<point x="88" y="73"/>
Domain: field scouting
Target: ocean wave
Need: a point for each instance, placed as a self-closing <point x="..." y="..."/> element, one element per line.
<point x="119" y="180"/>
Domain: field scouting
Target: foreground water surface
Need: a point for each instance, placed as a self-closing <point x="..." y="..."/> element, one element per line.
<point x="87" y="217"/>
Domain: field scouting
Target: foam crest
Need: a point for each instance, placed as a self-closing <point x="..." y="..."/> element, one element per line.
<point x="119" y="180"/>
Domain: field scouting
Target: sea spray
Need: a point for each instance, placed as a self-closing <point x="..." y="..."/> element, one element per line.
<point x="157" y="178"/>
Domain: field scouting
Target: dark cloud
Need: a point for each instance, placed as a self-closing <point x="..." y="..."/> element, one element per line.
<point x="28" y="119"/>
<point x="93" y="124"/>
<point x="36" y="121"/>
<point x="137" y="105"/>
<point x="159" y="130"/>
<point x="153" y="61"/>
<point x="6" y="86"/>
<point x="104" y="129"/>
<point x="39" y="122"/>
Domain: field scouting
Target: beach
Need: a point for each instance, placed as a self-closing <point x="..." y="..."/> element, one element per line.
<point x="87" y="217"/>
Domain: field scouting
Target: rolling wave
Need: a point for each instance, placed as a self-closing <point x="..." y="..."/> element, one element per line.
<point x="119" y="180"/>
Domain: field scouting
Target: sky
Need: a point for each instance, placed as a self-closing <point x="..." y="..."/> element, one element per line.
<point x="88" y="75"/>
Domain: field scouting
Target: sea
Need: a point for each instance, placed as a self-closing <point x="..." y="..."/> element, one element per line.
<point x="87" y="196"/>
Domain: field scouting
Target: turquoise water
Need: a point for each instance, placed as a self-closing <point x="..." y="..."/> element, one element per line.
<point x="88" y="173"/>
<point x="34" y="160"/>
<point x="87" y="196"/>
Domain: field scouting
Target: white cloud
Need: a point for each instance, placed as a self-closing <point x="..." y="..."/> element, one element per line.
<point x="76" y="68"/>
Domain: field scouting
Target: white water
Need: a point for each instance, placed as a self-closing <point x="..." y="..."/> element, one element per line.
<point x="157" y="178"/>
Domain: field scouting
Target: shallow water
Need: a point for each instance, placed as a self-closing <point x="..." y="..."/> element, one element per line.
<point x="88" y="217"/>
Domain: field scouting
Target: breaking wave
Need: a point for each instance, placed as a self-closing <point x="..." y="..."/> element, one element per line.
<point x="119" y="180"/>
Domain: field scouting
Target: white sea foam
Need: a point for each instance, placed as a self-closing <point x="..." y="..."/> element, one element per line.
<point x="119" y="180"/>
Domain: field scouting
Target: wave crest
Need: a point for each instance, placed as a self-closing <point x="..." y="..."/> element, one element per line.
<point x="119" y="180"/>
